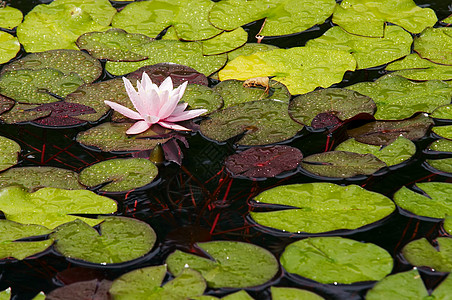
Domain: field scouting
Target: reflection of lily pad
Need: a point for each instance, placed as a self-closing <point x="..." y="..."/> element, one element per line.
<point x="336" y="260"/>
<point x="201" y="96"/>
<point x="341" y="164"/>
<point x="33" y="178"/>
<point x="434" y="202"/>
<point x="10" y="17"/>
<point x="263" y="122"/>
<point x="232" y="264"/>
<point x="368" y="52"/>
<point x="9" y="153"/>
<point x="12" y="231"/>
<point x="435" y="44"/>
<point x="51" y="207"/>
<point x="282" y="17"/>
<point x="9" y="46"/>
<point x="145" y="283"/>
<point x="368" y="17"/>
<point x="421" y="253"/>
<point x="342" y="103"/>
<point x="283" y="293"/>
<point x="415" y="68"/>
<point x="321" y="207"/>
<point x="123" y="174"/>
<point x="118" y="240"/>
<point x="301" y="69"/>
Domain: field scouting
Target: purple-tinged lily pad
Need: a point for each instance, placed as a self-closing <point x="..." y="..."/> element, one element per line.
<point x="23" y="113"/>
<point x="9" y="153"/>
<point x="324" y="120"/>
<point x="113" y="44"/>
<point x="421" y="253"/>
<point x="263" y="162"/>
<point x="6" y="104"/>
<point x="62" y="114"/>
<point x="435" y="44"/>
<point x="341" y="164"/>
<point x="385" y="132"/>
<point x="92" y="289"/>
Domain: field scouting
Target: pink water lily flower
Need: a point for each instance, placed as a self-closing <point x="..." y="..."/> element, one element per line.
<point x="155" y="105"/>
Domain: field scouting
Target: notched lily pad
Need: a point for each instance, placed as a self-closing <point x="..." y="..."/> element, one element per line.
<point x="225" y="42"/>
<point x="113" y="44"/>
<point x="62" y="114"/>
<point x="341" y="164"/>
<point x="415" y="68"/>
<point x="34" y="178"/>
<point x="119" y="175"/>
<point x="320" y="207"/>
<point x="263" y="161"/>
<point x="262" y="122"/>
<point x="336" y="260"/>
<point x="435" y="44"/>
<point x="118" y="240"/>
<point x="342" y="103"/>
<point x="10" y="17"/>
<point x="9" y="153"/>
<point x="201" y="96"/>
<point x="421" y="253"/>
<point x="9" y="45"/>
<point x="231" y="264"/>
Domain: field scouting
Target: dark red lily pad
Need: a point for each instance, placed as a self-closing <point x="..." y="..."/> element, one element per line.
<point x="323" y="120"/>
<point x="5" y="104"/>
<point x="23" y="113"/>
<point x="62" y="113"/>
<point x="264" y="161"/>
<point x="92" y="289"/>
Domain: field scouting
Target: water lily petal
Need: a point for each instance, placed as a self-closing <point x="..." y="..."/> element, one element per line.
<point x="150" y="100"/>
<point x="137" y="101"/>
<point x="179" y="91"/>
<point x="147" y="84"/>
<point x="173" y="126"/>
<point x="138" y="127"/>
<point x="179" y="108"/>
<point x="124" y="110"/>
<point x="167" y="85"/>
<point x="186" y="115"/>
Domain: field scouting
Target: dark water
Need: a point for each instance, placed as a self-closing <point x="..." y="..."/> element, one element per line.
<point x="201" y="202"/>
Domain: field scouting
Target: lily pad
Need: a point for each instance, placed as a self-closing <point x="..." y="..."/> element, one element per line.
<point x="421" y="253"/>
<point x="398" y="98"/>
<point x="442" y="165"/>
<point x="225" y="42"/>
<point x="321" y="207"/>
<point x="145" y="283"/>
<point x="262" y="122"/>
<point x="189" y="54"/>
<point x="432" y="201"/>
<point x="442" y="112"/>
<point x="282" y="293"/>
<point x="448" y="224"/>
<point x="66" y="61"/>
<point x="435" y="45"/>
<point x="5" y="104"/>
<point x="368" y="18"/>
<point x="51" y="207"/>
<point x="10" y="232"/>
<point x="23" y="113"/>
<point x="34" y="178"/>
<point x="92" y="289"/>
<point x="443" y="131"/>
<point x="342" y="103"/>
<point x="250" y="48"/>
<point x="9" y="153"/>
<point x="336" y="260"/>
<point x="201" y="96"/>
<point x="240" y="295"/>
<point x="415" y="68"/>
<point x="368" y="52"/>
<point x="9" y="46"/>
<point x="282" y="17"/>
<point x="62" y="114"/>
<point x="118" y="240"/>
<point x="113" y="44"/>
<point x="229" y="264"/>
<point x="341" y="164"/>
<point x="34" y="86"/>
<point x="235" y="92"/>
<point x="385" y="132"/>
<point x="118" y="175"/>
<point x="112" y="137"/>
<point x="264" y="161"/>
<point x="301" y="69"/>
<point x="10" y="17"/>
<point x="395" y="153"/>
<point x="441" y="145"/>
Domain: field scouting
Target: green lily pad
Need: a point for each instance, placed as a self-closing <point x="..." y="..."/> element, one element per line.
<point x="9" y="46"/>
<point x="415" y="68"/>
<point x="342" y="103"/>
<point x="263" y="122"/>
<point x="448" y="224"/>
<point x="442" y="165"/>
<point x="23" y="113"/>
<point x="447" y="20"/>
<point x="341" y="164"/>
<point x="201" y="96"/>
<point x="66" y="61"/>
<point x="250" y="48"/>
<point x="368" y="52"/>
<point x="33" y="86"/>
<point x="434" y="202"/>
<point x="443" y="131"/>
<point x="284" y="293"/>
<point x="120" y="174"/>
<point x="395" y="153"/>
<point x="408" y="285"/>
<point x="301" y="69"/>
<point x="6" y="294"/>
<point x="58" y="25"/>
<point x="225" y="42"/>
<point x="9" y="153"/>
<point x="10" y="17"/>
<point x="321" y="207"/>
<point x="398" y="98"/>
<point x="144" y="283"/>
<point x="336" y="260"/>
<point x="113" y="44"/>
<point x="235" y="92"/>
<point x="282" y="17"/>
<point x="368" y="18"/>
<point x="231" y="264"/>
<point x="435" y="45"/>
<point x="421" y="253"/>
<point x="34" y="178"/>
<point x="110" y="137"/>
<point x="188" y="54"/>
<point x="441" y="145"/>
<point x="118" y="240"/>
<point x="442" y="112"/>
<point x="51" y="207"/>
<point x="240" y="295"/>
<point x="385" y="132"/>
